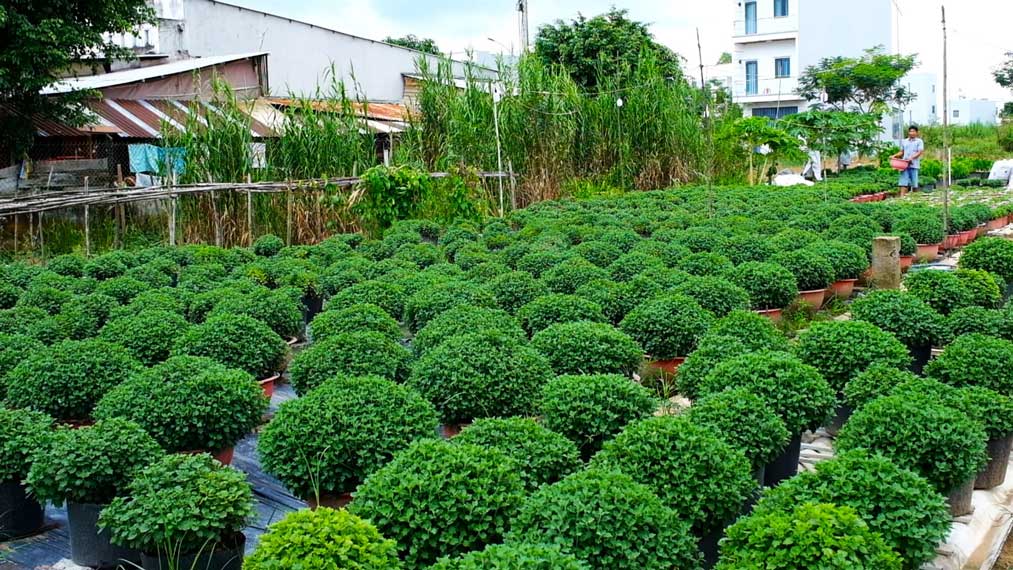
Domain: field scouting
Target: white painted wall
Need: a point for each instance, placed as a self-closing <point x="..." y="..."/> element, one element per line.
<point x="766" y="23"/>
<point x="924" y="109"/>
<point x="831" y="28"/>
<point x="765" y="54"/>
<point x="971" y="111"/>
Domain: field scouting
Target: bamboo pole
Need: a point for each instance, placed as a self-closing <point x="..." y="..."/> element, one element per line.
<point x="249" y="210"/>
<point x="87" y="233"/>
<point x="288" y="218"/>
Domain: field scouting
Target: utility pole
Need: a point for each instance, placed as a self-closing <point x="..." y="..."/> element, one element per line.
<point x="522" y="9"/>
<point x="707" y="127"/>
<point x="946" y="130"/>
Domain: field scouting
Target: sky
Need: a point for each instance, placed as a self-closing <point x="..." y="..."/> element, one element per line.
<point x="979" y="29"/>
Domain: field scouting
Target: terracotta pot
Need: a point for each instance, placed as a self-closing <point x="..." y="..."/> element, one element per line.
<point x="814" y="297"/>
<point x="968" y="236"/>
<point x="330" y="501"/>
<point x="951" y="241"/>
<point x="996" y="223"/>
<point x="843" y="288"/>
<point x="224" y="455"/>
<point x="772" y="314"/>
<point x="982" y="230"/>
<point x="928" y="251"/>
<point x="267" y="384"/>
<point x="448" y="431"/>
<point x="669" y="366"/>
<point x="906" y="261"/>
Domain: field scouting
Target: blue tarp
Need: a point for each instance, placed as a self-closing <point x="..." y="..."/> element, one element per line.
<point x="151" y="159"/>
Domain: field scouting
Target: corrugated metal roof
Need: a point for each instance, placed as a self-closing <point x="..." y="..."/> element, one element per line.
<point x="378" y="111"/>
<point x="128" y="76"/>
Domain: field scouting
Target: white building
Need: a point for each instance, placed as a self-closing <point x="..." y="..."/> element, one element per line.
<point x="973" y="111"/>
<point x="776" y="40"/>
<point x="922" y="110"/>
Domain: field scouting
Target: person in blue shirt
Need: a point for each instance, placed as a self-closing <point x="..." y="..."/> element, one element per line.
<point x="911" y="149"/>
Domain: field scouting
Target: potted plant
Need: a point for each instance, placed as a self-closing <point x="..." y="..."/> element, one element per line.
<point x="189" y="404"/>
<point x="927" y="231"/>
<point x="906" y="429"/>
<point x="668" y="328"/>
<point x="477" y="375"/>
<point x="465" y="319"/>
<point x="356" y="318"/>
<point x="848" y="262"/>
<point x="183" y="511"/>
<point x="974" y="320"/>
<point x="513" y="556"/>
<point x="556" y="308"/>
<point x="896" y="503"/>
<point x="941" y="290"/>
<point x="148" y="335"/>
<point x="67" y="379"/>
<point x="430" y="301"/>
<point x="24" y="434"/>
<point x="13" y="349"/>
<point x="268" y="245"/>
<point x="515" y="289"/>
<point x="715" y="294"/>
<point x="588" y="348"/>
<point x="907" y="317"/>
<point x="711" y="350"/>
<point x="813" y="274"/>
<point x="350" y="354"/>
<point x="908" y="250"/>
<point x="87" y="468"/>
<point x="590" y="410"/>
<point x="996" y="412"/>
<point x="237" y="341"/>
<point x="692" y="470"/>
<point x="984" y="289"/>
<point x="812" y="530"/>
<point x="323" y="445"/>
<point x="877" y="380"/>
<point x="975" y="360"/>
<point x="323" y="538"/>
<point x="606" y="520"/>
<point x="387" y="296"/>
<point x="745" y="422"/>
<point x="542" y="456"/>
<point x="274" y="308"/>
<point x="771" y="287"/>
<point x="438" y="498"/>
<point x="567" y="276"/>
<point x="994" y="255"/>
<point x="795" y="391"/>
<point x="704" y="263"/>
<point x="754" y="331"/>
<point x="629" y="265"/>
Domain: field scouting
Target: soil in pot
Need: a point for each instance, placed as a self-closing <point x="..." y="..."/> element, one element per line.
<point x="785" y="465"/>
<point x="90" y="546"/>
<point x="994" y="473"/>
<point x="331" y="501"/>
<point x="959" y="499"/>
<point x="843" y="288"/>
<point x="20" y="514"/>
<point x="840" y="418"/>
<point x="226" y="555"/>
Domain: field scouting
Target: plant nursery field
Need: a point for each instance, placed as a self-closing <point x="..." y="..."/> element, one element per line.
<point x="501" y="394"/>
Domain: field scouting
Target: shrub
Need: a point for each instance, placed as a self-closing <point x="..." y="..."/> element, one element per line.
<point x="521" y="556"/>
<point x="324" y="539"/>
<point x="331" y="439"/>
<point x="974" y="320"/>
<point x="717" y="295"/>
<point x="92" y="464"/>
<point x="71" y="265"/>
<point x="237" y="341"/>
<point x="794" y="390"/>
<point x="842" y="349"/>
<point x="538" y="262"/>
<point x="9" y="295"/>
<point x="630" y="265"/>
<point x="608" y="521"/>
<point x="268" y="245"/>
<point x="985" y="289"/>
<point x="668" y="327"/>
<point x="482" y="374"/>
<point x="348" y="354"/>
<point x="688" y="466"/>
<point x="356" y="318"/>
<point x="745" y="422"/>
<point x="894" y="502"/>
<point x="570" y="274"/>
<point x="847" y="260"/>
<point x="912" y="321"/>
<point x="515" y="289"/>
<point x="754" y="331"/>
<point x="805" y="536"/>
<point x="992" y="409"/>
<point x="994" y="255"/>
<point x="106" y="266"/>
<point x="465" y="319"/>
<point x="542" y="456"/>
<point x="907" y="430"/>
<point x="551" y="309"/>
<point x="588" y="348"/>
<point x="67" y="379"/>
<point x="188" y="403"/>
<point x="23" y="435"/>
<point x="704" y="264"/>
<point x="49" y="299"/>
<point x="181" y="504"/>
<point x="745" y="248"/>
<point x="13" y="349"/>
<point x="590" y="410"/>
<point x="149" y="335"/>
<point x="711" y="350"/>
<point x="941" y="290"/>
<point x="770" y="286"/>
<point x="599" y="253"/>
<point x="975" y="360"/>
<point x="272" y="307"/>
<point x="618" y="299"/>
<point x="438" y="499"/>
<point x="812" y="271"/>
<point x="924" y="228"/>
<point x="429" y="302"/>
<point x="161" y="299"/>
<point x="877" y="380"/>
<point x="123" y="289"/>
<point x="387" y="296"/>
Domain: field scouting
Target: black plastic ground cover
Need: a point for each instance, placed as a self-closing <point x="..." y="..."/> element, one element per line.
<point x="42" y="551"/>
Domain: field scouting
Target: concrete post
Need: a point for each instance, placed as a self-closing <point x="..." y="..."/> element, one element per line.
<point x="886" y="263"/>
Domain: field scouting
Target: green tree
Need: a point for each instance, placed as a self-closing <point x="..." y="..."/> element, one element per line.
<point x="725" y="58"/>
<point x="39" y="40"/>
<point x="1004" y="75"/>
<point x="606" y="45"/>
<point x="870" y="83"/>
<point x="760" y="133"/>
<point x="411" y="41"/>
<point x="834" y="133"/>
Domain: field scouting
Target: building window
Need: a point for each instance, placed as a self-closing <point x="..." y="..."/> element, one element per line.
<point x="956" y="114"/>
<point x="780" y="8"/>
<point x="752" y="78"/>
<point x="933" y="109"/>
<point x="750" y="18"/>
<point x="774" y="112"/>
<point x="782" y="67"/>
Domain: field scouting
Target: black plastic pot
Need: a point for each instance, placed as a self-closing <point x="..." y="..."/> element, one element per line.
<point x="959" y="499"/>
<point x="785" y="465"/>
<point x="708" y="545"/>
<point x="91" y="547"/>
<point x="844" y="412"/>
<point x="994" y="474"/>
<point x="226" y="555"/>
<point x="20" y="514"/>
<point x="312" y="305"/>
<point x="920" y="356"/>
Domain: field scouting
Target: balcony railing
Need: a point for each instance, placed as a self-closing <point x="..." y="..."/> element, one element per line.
<point x="766" y="26"/>
<point x="767" y="87"/>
